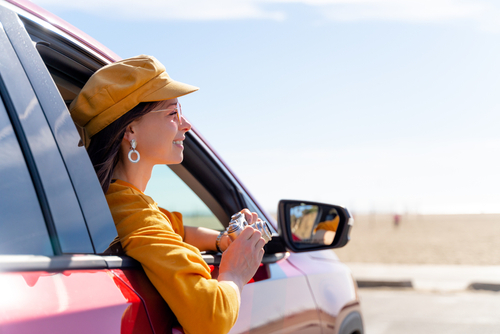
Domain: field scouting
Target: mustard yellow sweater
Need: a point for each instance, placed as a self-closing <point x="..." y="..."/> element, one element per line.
<point x="154" y="237"/>
<point x="330" y="225"/>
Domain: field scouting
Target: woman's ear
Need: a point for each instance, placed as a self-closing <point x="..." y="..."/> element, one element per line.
<point x="129" y="133"/>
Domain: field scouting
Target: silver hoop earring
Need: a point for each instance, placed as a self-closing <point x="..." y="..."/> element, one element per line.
<point x="133" y="145"/>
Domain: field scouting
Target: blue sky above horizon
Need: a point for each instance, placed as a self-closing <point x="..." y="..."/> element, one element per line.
<point x="378" y="105"/>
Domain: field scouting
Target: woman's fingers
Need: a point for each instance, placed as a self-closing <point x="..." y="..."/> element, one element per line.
<point x="251" y="242"/>
<point x="251" y="217"/>
<point x="255" y="216"/>
<point x="251" y="234"/>
<point x="256" y="244"/>
<point x="260" y="244"/>
<point x="247" y="213"/>
<point x="246" y="233"/>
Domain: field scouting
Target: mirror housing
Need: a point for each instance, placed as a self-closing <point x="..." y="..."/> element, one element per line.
<point x="306" y="226"/>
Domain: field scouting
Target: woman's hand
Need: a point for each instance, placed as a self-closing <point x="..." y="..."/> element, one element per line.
<point x="204" y="238"/>
<point x="225" y="241"/>
<point x="250" y="217"/>
<point x="243" y="256"/>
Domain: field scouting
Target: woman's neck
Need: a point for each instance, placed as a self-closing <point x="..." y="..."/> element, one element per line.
<point x="137" y="174"/>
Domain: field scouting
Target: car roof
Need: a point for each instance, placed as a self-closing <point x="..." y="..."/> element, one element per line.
<point x="64" y="26"/>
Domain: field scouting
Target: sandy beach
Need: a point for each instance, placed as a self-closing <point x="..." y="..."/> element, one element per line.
<point x="424" y="239"/>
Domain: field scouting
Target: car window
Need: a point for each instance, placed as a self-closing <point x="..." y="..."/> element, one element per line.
<point x="22" y="226"/>
<point x="173" y="194"/>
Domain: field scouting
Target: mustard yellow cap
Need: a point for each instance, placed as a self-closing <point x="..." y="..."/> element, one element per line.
<point x="118" y="87"/>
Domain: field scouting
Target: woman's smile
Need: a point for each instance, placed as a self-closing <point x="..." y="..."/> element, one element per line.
<point x="179" y="142"/>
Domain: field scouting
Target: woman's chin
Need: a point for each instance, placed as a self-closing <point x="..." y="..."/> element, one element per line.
<point x="174" y="161"/>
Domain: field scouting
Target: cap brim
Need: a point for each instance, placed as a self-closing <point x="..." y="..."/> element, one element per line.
<point x="169" y="91"/>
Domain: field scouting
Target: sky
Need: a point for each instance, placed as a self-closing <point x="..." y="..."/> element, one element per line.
<point x="378" y="105"/>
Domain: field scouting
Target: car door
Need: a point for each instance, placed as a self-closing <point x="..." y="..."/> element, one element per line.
<point x="50" y="278"/>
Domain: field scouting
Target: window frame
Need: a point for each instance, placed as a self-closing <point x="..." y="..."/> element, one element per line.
<point x="79" y="168"/>
<point x="44" y="161"/>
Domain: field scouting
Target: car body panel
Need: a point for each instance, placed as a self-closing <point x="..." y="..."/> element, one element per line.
<point x="73" y="301"/>
<point x="161" y="317"/>
<point x="331" y="284"/>
<point x="270" y="306"/>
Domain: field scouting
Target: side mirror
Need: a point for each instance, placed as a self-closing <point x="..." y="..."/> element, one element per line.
<point x="306" y="226"/>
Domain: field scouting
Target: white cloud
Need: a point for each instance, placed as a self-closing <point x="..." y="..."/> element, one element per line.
<point x="485" y="13"/>
<point x="172" y="9"/>
<point x="408" y="10"/>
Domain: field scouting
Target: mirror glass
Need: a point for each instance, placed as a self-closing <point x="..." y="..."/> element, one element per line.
<point x="313" y="224"/>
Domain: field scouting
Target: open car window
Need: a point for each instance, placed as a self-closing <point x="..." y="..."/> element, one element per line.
<point x="173" y="194"/>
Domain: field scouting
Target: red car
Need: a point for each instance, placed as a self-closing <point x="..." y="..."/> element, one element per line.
<point x="57" y="274"/>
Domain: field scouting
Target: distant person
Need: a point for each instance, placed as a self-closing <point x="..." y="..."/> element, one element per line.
<point x="397" y="220"/>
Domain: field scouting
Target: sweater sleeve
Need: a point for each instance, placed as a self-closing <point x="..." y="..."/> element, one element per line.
<point x="330" y="225"/>
<point x="175" y="219"/>
<point x="177" y="270"/>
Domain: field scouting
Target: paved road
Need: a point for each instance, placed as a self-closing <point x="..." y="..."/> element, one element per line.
<point x="397" y="311"/>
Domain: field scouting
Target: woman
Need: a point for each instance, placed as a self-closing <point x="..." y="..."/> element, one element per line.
<point x="132" y="120"/>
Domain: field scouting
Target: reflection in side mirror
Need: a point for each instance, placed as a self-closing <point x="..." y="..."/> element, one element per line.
<point x="306" y="226"/>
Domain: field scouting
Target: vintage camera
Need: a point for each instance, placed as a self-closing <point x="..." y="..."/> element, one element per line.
<point x="238" y="223"/>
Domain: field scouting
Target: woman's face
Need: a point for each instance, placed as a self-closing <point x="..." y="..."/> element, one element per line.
<point x="160" y="134"/>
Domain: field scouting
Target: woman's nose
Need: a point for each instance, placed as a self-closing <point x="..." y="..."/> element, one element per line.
<point x="185" y="125"/>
